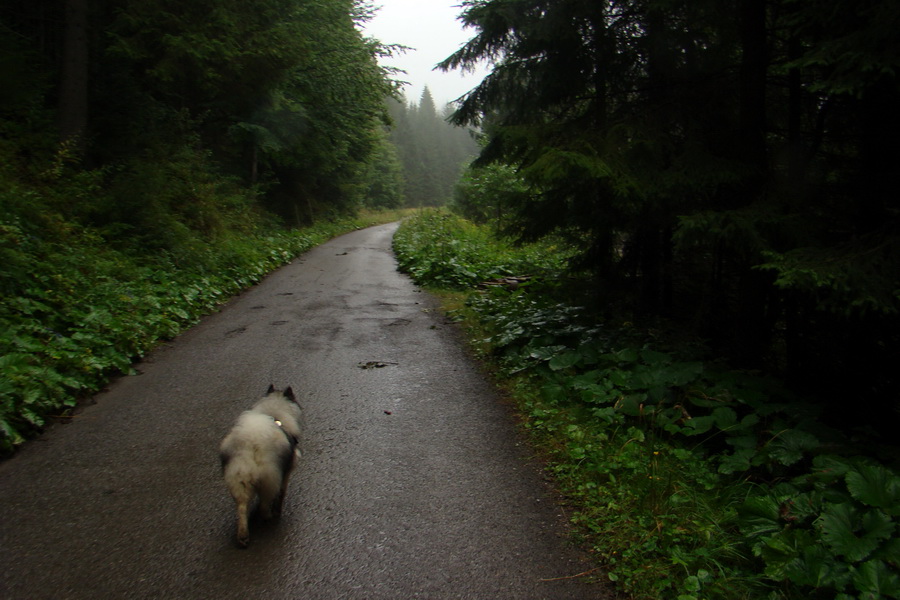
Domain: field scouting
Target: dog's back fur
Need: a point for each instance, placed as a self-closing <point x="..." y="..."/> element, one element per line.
<point x="258" y="455"/>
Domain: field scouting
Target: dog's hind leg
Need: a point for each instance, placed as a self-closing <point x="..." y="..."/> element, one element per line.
<point x="243" y="529"/>
<point x="286" y="465"/>
<point x="278" y="505"/>
<point x="243" y="496"/>
<point x="269" y="488"/>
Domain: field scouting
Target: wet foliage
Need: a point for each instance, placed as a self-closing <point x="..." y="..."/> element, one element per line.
<point x="687" y="478"/>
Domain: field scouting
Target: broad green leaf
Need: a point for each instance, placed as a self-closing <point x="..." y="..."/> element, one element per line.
<point x="565" y="360"/>
<point x="587" y="381"/>
<point x="683" y="373"/>
<point x="759" y="516"/>
<point x="829" y="468"/>
<point x="636" y="434"/>
<point x="743" y="442"/>
<point x="607" y="414"/>
<point x="618" y="378"/>
<point x="877" y="524"/>
<point x="647" y="377"/>
<point x="591" y="353"/>
<point x="31" y="416"/>
<point x="805" y="506"/>
<point x="652" y="357"/>
<point x="816" y="567"/>
<point x="625" y="355"/>
<point x="890" y="551"/>
<point x="669" y="417"/>
<point x="852" y="533"/>
<point x="546" y="352"/>
<point x="692" y="583"/>
<point x="780" y="550"/>
<point x="632" y="404"/>
<point x="736" y="462"/>
<point x="554" y="392"/>
<point x="875" y="579"/>
<point x="724" y="417"/>
<point x="704" y="401"/>
<point x="10" y="432"/>
<point x="790" y="446"/>
<point x="750" y="420"/>
<point x="699" y="425"/>
<point x="876" y="486"/>
<point x="14" y="361"/>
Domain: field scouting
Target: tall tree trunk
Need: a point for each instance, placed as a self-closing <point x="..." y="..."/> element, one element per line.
<point x="598" y="121"/>
<point x="878" y="156"/>
<point x="754" y="65"/>
<point x="754" y="286"/>
<point x="796" y="155"/>
<point x="600" y="43"/>
<point x="254" y="163"/>
<point x="655" y="226"/>
<point x="72" y="111"/>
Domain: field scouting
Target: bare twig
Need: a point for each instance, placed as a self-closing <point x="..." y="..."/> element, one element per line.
<point x="571" y="576"/>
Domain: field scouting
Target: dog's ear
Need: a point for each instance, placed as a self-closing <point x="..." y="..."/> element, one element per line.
<point x="289" y="394"/>
<point x="271" y="388"/>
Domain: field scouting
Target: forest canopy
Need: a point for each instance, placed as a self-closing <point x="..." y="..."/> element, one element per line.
<point x="156" y="157"/>
<point x="725" y="163"/>
<point x="729" y="163"/>
<point x="283" y="97"/>
<point x="432" y="152"/>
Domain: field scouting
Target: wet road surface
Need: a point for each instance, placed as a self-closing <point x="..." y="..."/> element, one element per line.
<point x="413" y="483"/>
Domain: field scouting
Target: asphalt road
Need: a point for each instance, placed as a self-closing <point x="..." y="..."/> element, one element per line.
<point x="413" y="483"/>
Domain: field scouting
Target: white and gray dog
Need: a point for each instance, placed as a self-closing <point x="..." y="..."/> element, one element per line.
<point x="259" y="454"/>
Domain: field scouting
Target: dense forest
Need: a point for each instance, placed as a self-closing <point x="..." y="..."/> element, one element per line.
<point x="703" y="191"/>
<point x="283" y="100"/>
<point x="432" y="152"/>
<point x="727" y="165"/>
<point x="718" y="176"/>
<point x="154" y="157"/>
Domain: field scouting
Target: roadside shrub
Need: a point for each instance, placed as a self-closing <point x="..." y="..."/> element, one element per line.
<point x="443" y="250"/>
<point x="689" y="479"/>
<point x="76" y="310"/>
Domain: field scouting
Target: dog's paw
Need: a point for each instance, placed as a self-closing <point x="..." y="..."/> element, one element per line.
<point x="243" y="535"/>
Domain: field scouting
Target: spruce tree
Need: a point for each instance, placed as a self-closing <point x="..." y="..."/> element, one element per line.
<point x="725" y="162"/>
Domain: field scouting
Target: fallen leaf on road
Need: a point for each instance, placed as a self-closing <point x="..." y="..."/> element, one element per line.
<point x="374" y="364"/>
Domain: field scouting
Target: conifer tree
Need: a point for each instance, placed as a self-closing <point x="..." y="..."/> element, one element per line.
<point x="716" y="160"/>
<point x="431" y="150"/>
<point x="281" y="94"/>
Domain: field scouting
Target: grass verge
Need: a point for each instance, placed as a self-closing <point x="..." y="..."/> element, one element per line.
<point x="76" y="311"/>
<point x="687" y="479"/>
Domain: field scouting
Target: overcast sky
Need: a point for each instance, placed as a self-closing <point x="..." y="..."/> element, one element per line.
<point x="432" y="29"/>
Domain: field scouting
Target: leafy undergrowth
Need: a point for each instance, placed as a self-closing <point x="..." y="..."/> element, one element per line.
<point x="451" y="253"/>
<point x="75" y="311"/>
<point x="689" y="480"/>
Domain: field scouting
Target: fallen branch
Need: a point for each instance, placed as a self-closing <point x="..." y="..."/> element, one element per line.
<point x="510" y="283"/>
<point x="571" y="576"/>
<point x="374" y="364"/>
